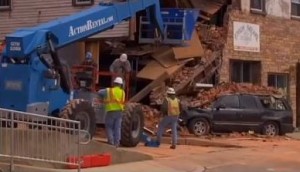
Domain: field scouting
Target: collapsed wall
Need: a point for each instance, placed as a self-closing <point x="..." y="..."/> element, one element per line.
<point x="200" y="69"/>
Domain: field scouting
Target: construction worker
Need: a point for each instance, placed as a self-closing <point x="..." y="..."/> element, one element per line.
<point x="114" y="105"/>
<point x="88" y="61"/>
<point x="90" y="67"/>
<point x="120" y="66"/>
<point x="170" y="109"/>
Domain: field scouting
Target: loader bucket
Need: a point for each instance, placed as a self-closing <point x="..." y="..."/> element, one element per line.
<point x="178" y="25"/>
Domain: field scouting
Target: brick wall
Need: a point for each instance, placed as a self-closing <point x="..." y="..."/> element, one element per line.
<point x="279" y="48"/>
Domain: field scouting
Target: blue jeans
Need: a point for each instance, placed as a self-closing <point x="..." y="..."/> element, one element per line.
<point x="113" y="121"/>
<point x="165" y="122"/>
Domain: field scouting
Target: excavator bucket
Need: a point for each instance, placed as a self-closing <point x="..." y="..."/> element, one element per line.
<point x="178" y="26"/>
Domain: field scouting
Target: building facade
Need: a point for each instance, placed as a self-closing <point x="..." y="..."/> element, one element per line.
<point x="263" y="47"/>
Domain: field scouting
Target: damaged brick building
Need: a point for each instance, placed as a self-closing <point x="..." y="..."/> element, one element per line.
<point x="263" y="46"/>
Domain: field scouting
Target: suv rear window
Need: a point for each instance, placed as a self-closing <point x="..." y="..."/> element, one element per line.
<point x="273" y="103"/>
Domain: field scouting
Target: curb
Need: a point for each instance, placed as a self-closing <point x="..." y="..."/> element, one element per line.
<point x="199" y="142"/>
<point x="295" y="135"/>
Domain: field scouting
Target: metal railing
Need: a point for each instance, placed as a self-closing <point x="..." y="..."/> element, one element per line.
<point x="31" y="137"/>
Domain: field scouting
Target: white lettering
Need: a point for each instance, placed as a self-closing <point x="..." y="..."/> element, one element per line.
<point x="73" y="31"/>
<point x="13" y="85"/>
<point x="15" y="46"/>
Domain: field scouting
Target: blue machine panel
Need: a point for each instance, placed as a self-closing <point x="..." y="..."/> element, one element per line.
<point x="178" y="26"/>
<point x="20" y="85"/>
<point x="14" y="86"/>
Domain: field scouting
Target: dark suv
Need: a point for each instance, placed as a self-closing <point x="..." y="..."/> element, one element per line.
<point x="264" y="114"/>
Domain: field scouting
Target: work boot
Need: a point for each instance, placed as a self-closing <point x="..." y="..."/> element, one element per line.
<point x="173" y="147"/>
<point x="157" y="143"/>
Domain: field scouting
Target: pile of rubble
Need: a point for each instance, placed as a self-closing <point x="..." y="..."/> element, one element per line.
<point x="212" y="36"/>
<point x="213" y="40"/>
<point x="204" y="98"/>
<point x="152" y="117"/>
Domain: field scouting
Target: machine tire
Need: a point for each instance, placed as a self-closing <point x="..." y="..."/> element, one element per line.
<point x="81" y="109"/>
<point x="132" y="125"/>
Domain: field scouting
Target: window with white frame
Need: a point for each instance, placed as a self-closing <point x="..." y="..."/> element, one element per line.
<point x="295" y="11"/>
<point x="83" y="2"/>
<point x="5" y="4"/>
<point x="257" y="6"/>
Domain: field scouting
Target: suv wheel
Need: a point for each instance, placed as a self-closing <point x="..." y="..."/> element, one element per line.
<point x="270" y="129"/>
<point x="199" y="127"/>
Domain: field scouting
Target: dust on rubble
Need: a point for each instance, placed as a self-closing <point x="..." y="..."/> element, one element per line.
<point x="204" y="99"/>
<point x="213" y="40"/>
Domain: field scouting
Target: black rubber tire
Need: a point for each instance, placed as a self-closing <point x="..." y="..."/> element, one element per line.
<point x="132" y="125"/>
<point x="76" y="108"/>
<point x="270" y="125"/>
<point x="196" y="121"/>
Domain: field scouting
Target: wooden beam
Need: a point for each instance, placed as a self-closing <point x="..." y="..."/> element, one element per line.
<point x="144" y="92"/>
<point x="182" y="86"/>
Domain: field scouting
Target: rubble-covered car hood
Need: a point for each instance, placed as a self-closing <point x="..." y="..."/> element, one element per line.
<point x="207" y="110"/>
<point x="195" y="112"/>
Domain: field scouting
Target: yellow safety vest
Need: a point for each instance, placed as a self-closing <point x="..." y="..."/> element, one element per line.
<point x="173" y="107"/>
<point x="115" y="99"/>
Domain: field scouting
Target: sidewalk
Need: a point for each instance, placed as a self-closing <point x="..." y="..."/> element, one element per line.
<point x="294" y="135"/>
<point x="166" y="162"/>
<point x="162" y="165"/>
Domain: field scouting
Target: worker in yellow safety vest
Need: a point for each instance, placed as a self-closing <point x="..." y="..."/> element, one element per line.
<point x="171" y="109"/>
<point x="114" y="99"/>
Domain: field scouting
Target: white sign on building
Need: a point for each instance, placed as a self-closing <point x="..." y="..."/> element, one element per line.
<point x="246" y="37"/>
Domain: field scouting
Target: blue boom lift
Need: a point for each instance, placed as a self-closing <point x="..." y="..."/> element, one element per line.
<point x="33" y="78"/>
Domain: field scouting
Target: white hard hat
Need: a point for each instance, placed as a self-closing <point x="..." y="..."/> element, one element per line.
<point x="171" y="91"/>
<point x="123" y="57"/>
<point x="118" y="80"/>
<point x="89" y="55"/>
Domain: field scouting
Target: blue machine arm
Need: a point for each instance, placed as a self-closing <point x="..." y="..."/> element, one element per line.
<point x="79" y="26"/>
<point x="26" y="80"/>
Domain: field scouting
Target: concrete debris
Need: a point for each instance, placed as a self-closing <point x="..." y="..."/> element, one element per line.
<point x="212" y="36"/>
<point x="204" y="98"/>
<point x="213" y="40"/>
<point x="152" y="117"/>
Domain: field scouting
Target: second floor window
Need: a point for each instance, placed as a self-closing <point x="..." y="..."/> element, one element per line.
<point x="83" y="2"/>
<point x="295" y="8"/>
<point x="5" y="4"/>
<point x="257" y="5"/>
